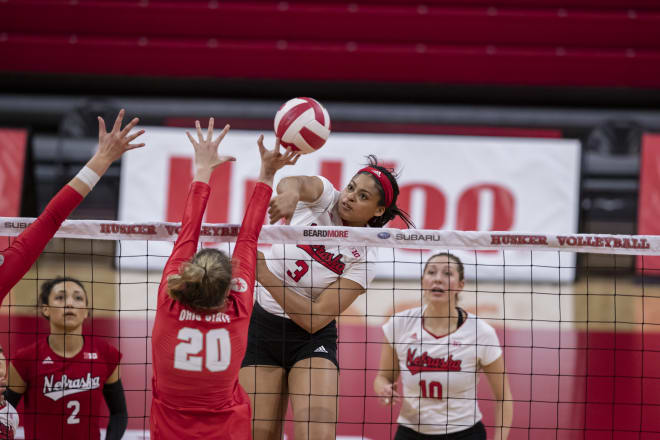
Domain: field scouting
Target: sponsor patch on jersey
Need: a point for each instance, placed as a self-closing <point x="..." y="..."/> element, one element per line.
<point x="239" y="285"/>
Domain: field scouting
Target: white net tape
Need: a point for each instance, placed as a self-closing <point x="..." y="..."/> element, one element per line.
<point x="334" y="235"/>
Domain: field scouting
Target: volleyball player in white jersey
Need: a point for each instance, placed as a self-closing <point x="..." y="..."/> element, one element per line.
<point x="438" y="350"/>
<point x="292" y="341"/>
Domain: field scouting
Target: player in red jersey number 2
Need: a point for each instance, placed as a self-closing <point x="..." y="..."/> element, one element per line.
<point x="204" y="306"/>
<point x="64" y="376"/>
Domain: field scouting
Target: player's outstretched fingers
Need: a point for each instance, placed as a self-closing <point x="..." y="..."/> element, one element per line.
<point x="191" y="139"/>
<point x="222" y="134"/>
<point x="260" y="144"/>
<point x="120" y="116"/>
<point x="209" y="131"/>
<point x="223" y="159"/>
<point x="290" y="156"/>
<point x="129" y="127"/>
<point x="134" y="146"/>
<point x="102" y="129"/>
<point x="132" y="137"/>
<point x="200" y="137"/>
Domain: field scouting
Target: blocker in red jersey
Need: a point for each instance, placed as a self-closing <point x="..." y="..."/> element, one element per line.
<point x="302" y="124"/>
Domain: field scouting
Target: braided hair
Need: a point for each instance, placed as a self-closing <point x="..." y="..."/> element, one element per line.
<point x="392" y="210"/>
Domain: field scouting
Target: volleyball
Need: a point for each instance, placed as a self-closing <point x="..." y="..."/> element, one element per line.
<point x="302" y="124"/>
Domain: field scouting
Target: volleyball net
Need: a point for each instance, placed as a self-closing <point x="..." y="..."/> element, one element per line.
<point x="579" y="328"/>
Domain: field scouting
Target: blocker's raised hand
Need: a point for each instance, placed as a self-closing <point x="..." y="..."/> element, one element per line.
<point x="206" y="148"/>
<point x="112" y="145"/>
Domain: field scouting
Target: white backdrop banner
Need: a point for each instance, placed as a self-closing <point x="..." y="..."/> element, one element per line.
<point x="447" y="183"/>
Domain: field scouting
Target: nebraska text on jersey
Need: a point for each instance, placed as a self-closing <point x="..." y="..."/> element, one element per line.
<point x="424" y="362"/>
<point x="328" y="259"/>
<point x="65" y="386"/>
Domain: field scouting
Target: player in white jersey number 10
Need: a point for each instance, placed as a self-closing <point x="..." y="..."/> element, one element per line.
<point x="438" y="350"/>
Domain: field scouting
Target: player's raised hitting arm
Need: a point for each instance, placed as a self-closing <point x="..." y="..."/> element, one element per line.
<point x="246" y="244"/>
<point x="16" y="260"/>
<point x="290" y="191"/>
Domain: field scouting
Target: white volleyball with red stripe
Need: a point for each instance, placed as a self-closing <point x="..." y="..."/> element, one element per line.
<point x="302" y="124"/>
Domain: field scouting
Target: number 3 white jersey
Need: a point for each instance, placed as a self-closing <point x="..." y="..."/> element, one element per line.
<point x="440" y="373"/>
<point x="309" y="269"/>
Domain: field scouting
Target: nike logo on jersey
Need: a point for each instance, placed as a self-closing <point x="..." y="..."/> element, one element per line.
<point x="328" y="259"/>
<point x="424" y="362"/>
<point x="321" y="349"/>
<point x="47" y="361"/>
<point x="65" y="386"/>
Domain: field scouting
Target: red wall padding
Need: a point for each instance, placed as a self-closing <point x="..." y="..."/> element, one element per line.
<point x="604" y="43"/>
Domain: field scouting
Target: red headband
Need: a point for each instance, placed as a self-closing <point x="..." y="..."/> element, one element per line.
<point x="384" y="183"/>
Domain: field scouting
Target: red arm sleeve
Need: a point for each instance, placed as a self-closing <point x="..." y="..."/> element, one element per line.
<point x="24" y="251"/>
<point x="246" y="244"/>
<point x="186" y="244"/>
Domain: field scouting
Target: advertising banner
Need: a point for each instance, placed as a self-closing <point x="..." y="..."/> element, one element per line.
<point x="446" y="183"/>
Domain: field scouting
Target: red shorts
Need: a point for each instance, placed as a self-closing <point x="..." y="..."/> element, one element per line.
<point x="176" y="423"/>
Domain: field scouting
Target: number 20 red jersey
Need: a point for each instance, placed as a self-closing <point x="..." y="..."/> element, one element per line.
<point x="197" y="357"/>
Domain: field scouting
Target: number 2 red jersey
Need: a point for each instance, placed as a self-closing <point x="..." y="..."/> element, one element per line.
<point x="63" y="396"/>
<point x="197" y="357"/>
